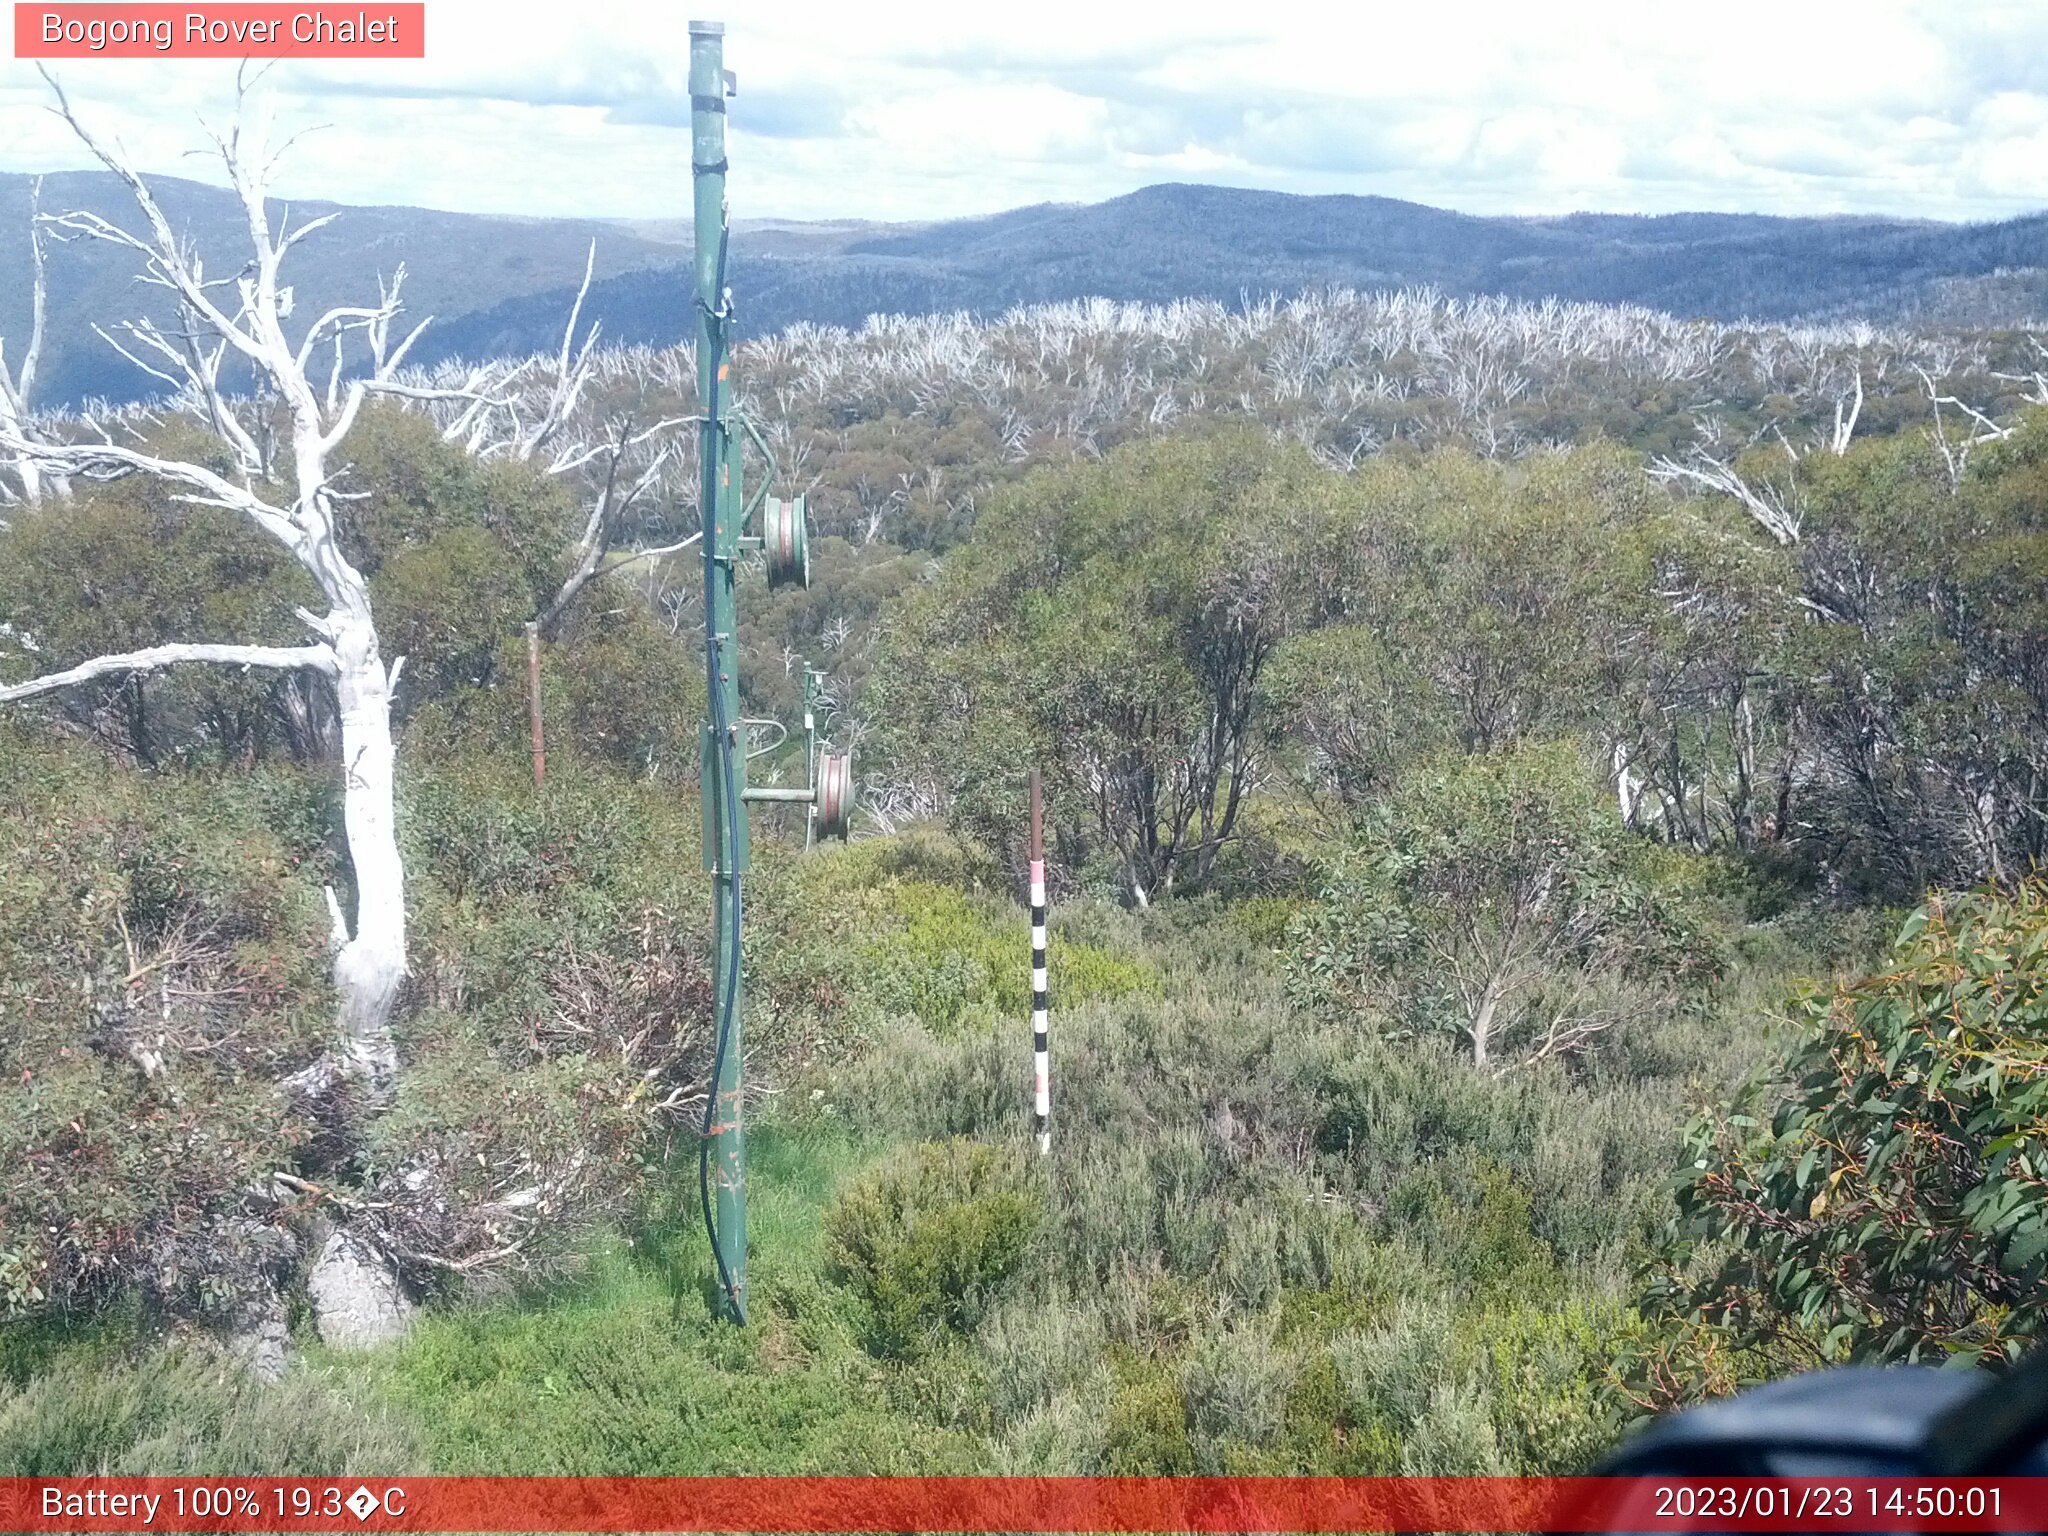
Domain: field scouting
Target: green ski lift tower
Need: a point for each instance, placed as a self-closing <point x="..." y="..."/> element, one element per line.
<point x="783" y="542"/>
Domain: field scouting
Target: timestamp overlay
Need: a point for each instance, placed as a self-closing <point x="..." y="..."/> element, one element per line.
<point x="977" y="1504"/>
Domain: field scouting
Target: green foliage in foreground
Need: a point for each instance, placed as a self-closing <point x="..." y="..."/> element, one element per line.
<point x="1883" y="1198"/>
<point x="1323" y="1255"/>
<point x="1273" y="1246"/>
<point x="1266" y="1280"/>
<point x="628" y="1370"/>
<point x="931" y="1238"/>
<point x="632" y="1370"/>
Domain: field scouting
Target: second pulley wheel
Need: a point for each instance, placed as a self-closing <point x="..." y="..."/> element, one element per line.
<point x="786" y="542"/>
<point x="835" y="794"/>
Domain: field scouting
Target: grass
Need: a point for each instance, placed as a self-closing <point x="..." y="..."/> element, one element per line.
<point x="184" y="1409"/>
<point x="630" y="1371"/>
<point x="625" y="1370"/>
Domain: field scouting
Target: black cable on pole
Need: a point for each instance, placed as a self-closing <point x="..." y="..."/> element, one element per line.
<point x="728" y="852"/>
<point x="726" y="1007"/>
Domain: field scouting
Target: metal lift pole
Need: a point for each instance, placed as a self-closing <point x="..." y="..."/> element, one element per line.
<point x="724" y="757"/>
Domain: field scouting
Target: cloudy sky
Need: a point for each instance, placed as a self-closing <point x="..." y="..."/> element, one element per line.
<point x="887" y="110"/>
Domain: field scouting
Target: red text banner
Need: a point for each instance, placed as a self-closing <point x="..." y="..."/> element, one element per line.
<point x="988" y="1504"/>
<point x="231" y="30"/>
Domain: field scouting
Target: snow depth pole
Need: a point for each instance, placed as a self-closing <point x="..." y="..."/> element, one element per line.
<point x="1041" y="1045"/>
<point x="722" y="1168"/>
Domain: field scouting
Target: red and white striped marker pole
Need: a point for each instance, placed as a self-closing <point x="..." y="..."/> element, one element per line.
<point x="1041" y="1052"/>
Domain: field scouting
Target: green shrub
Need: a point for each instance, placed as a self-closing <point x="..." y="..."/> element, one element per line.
<point x="127" y="565"/>
<point x="928" y="1239"/>
<point x="917" y="926"/>
<point x="1495" y="899"/>
<point x="943" y="958"/>
<point x="919" y="853"/>
<point x="561" y="999"/>
<point x="446" y="604"/>
<point x="1879" y="1200"/>
<point x="1146" y="1431"/>
<point x="1237" y="1380"/>
<point x="1035" y="1346"/>
<point x="1264" y="919"/>
<point x="1065" y="1438"/>
<point x="1546" y="1371"/>
<point x="1492" y="1244"/>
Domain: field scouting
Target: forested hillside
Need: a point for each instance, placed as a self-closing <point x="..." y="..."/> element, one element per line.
<point x="500" y="287"/>
<point x="1229" y="244"/>
<point x="1543" y="802"/>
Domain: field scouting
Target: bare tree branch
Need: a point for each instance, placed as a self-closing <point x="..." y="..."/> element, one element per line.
<point x="319" y="658"/>
<point x="1955" y="453"/>
<point x="1775" y="511"/>
<point x="661" y="552"/>
<point x="608" y="514"/>
<point x="106" y="461"/>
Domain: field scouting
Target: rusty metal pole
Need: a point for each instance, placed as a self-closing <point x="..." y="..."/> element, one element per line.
<point x="1037" y="821"/>
<point x="540" y="750"/>
<point x="1041" y="1006"/>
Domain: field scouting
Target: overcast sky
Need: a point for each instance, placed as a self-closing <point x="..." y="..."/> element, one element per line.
<point x="883" y="110"/>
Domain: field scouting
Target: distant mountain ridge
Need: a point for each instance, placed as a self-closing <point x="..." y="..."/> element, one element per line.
<point x="455" y="263"/>
<point x="503" y="286"/>
<point x="1175" y="241"/>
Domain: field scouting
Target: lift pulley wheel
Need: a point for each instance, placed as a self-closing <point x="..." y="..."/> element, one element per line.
<point x="785" y="540"/>
<point x="835" y="794"/>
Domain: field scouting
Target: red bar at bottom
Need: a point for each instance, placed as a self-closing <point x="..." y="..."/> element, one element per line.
<point x="978" y="1504"/>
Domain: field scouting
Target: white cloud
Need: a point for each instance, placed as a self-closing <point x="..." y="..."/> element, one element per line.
<point x="943" y="128"/>
<point x="918" y="110"/>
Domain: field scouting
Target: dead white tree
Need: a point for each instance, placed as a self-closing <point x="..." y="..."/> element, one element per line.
<point x="634" y="463"/>
<point x="2035" y="379"/>
<point x="572" y="376"/>
<point x="17" y="384"/>
<point x="629" y="465"/>
<point x="1774" y="509"/>
<point x="1956" y="449"/>
<point x="242" y="318"/>
<point x="1847" y="410"/>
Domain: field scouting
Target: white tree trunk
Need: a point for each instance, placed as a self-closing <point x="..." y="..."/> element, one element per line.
<point x="370" y="966"/>
<point x="1627" y="789"/>
<point x="1482" y="1020"/>
<point x="17" y="387"/>
<point x="357" y="1302"/>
